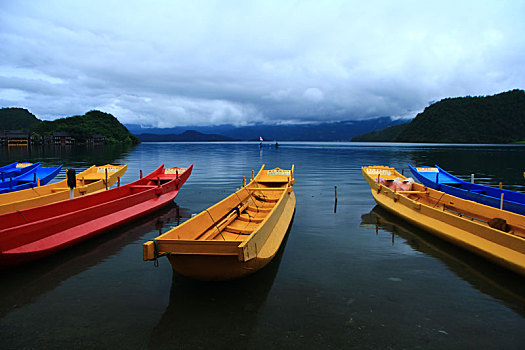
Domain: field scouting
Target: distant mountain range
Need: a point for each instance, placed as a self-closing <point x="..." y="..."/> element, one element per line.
<point x="484" y="119"/>
<point x="337" y="131"/>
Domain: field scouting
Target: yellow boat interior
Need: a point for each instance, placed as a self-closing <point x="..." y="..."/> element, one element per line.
<point x="93" y="179"/>
<point x="230" y="222"/>
<point x="383" y="178"/>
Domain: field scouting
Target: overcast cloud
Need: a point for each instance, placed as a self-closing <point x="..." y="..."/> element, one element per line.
<point x="166" y="63"/>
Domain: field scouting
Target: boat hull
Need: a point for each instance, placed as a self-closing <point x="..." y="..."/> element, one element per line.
<point x="88" y="181"/>
<point x="229" y="267"/>
<point x="443" y="181"/>
<point x="36" y="176"/>
<point x="500" y="247"/>
<point x="235" y="237"/>
<point x="56" y="226"/>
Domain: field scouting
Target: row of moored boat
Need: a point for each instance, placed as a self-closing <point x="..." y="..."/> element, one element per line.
<point x="487" y="221"/>
<point x="231" y="239"/>
<point x="242" y="233"/>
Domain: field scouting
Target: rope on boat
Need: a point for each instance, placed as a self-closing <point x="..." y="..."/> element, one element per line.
<point x="439" y="200"/>
<point x="461" y="214"/>
<point x="253" y="198"/>
<point x="215" y="224"/>
<point x="22" y="214"/>
<point x="240" y="203"/>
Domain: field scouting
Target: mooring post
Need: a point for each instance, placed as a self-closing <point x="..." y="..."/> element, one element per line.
<point x="71" y="182"/>
<point x="335" y="204"/>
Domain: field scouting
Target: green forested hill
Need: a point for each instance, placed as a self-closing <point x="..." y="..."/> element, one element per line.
<point x="17" y="119"/>
<point x="491" y="119"/>
<point x="82" y="127"/>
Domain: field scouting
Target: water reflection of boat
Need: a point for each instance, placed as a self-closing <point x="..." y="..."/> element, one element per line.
<point x="214" y="315"/>
<point x="24" y="284"/>
<point x="481" y="274"/>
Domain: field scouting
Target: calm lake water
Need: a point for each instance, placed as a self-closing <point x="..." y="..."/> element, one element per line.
<point x="354" y="277"/>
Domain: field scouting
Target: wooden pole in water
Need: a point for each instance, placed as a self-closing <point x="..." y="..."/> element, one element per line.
<point x="501" y="185"/>
<point x="472" y="178"/>
<point x="335" y="204"/>
<point x="243" y="181"/>
<point x="501" y="202"/>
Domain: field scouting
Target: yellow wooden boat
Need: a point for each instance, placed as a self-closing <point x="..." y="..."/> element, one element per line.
<point x="91" y="180"/>
<point x="235" y="237"/>
<point x="492" y="233"/>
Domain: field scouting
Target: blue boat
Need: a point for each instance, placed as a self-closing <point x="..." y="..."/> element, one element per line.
<point x="439" y="179"/>
<point x="36" y="175"/>
<point x="15" y="169"/>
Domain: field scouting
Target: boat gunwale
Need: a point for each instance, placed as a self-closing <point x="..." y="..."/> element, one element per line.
<point x="458" y="224"/>
<point x="51" y="193"/>
<point x="236" y="247"/>
<point x="467" y="189"/>
<point x="56" y="222"/>
<point x="514" y="216"/>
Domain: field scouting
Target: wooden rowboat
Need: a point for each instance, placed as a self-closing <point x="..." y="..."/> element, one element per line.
<point x="93" y="179"/>
<point x="37" y="176"/>
<point x="15" y="169"/>
<point x="30" y="234"/>
<point x="235" y="237"/>
<point x="497" y="235"/>
<point x="441" y="180"/>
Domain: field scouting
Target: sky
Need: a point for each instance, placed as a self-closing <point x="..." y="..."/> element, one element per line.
<point x="177" y="63"/>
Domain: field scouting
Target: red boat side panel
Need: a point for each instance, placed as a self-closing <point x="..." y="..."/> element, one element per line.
<point x="32" y="233"/>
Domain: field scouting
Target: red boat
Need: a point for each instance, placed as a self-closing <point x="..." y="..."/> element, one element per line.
<point x="30" y="234"/>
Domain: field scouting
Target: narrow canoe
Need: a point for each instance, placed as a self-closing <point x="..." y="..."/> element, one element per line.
<point x="90" y="180"/>
<point x="235" y="237"/>
<point x="30" y="234"/>
<point x="8" y="167"/>
<point x="37" y="176"/>
<point x="497" y="235"/>
<point x="10" y="171"/>
<point x="441" y="180"/>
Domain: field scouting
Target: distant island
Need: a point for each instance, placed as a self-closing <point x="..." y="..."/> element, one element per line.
<point x="494" y="119"/>
<point x="19" y="126"/>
